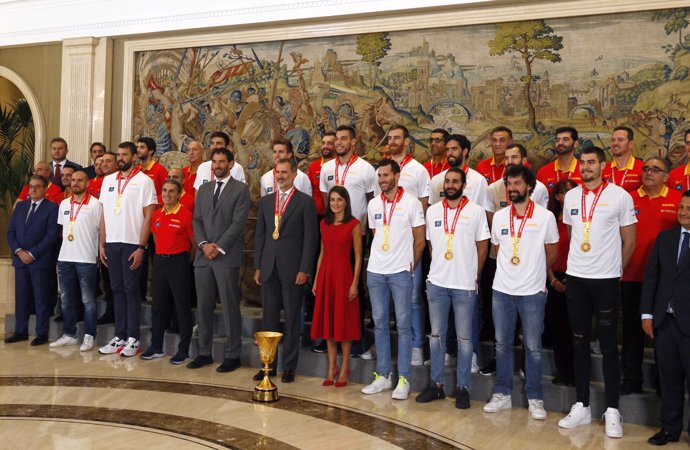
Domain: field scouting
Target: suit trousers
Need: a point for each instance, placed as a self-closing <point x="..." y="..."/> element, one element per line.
<point x="171" y="279"/>
<point x="673" y="359"/>
<point x="276" y="294"/>
<point x="225" y="281"/>
<point x="33" y="286"/>
<point x="126" y="289"/>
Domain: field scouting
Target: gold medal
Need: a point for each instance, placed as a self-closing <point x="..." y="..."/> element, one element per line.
<point x="586" y="247"/>
<point x="70" y="237"/>
<point x="276" y="234"/>
<point x="385" y="247"/>
<point x="515" y="260"/>
<point x="117" y="211"/>
<point x="448" y="255"/>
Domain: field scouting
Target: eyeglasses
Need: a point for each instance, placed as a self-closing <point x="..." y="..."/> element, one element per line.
<point x="653" y="169"/>
<point x="36" y="186"/>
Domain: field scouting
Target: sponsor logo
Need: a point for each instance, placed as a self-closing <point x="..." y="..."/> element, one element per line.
<point x="504" y="232"/>
<point x="111" y="189"/>
<point x="437" y="223"/>
<point x="504" y="204"/>
<point x="573" y="212"/>
<point x="269" y="190"/>
<point x="330" y="177"/>
<point x="377" y="216"/>
<point x="66" y="213"/>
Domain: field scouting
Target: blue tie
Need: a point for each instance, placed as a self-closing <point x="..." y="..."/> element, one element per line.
<point x="32" y="211"/>
<point x="684" y="247"/>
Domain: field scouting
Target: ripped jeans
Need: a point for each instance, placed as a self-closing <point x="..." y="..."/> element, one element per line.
<point x="600" y="297"/>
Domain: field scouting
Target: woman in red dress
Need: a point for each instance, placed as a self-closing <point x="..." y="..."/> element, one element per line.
<point x="336" y="307"/>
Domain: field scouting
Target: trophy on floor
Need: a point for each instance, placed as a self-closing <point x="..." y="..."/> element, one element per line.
<point x="268" y="341"/>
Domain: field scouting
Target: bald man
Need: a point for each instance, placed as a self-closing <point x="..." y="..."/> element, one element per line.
<point x="53" y="192"/>
<point x="195" y="154"/>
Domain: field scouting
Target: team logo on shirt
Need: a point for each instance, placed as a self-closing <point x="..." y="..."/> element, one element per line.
<point x="377" y="216"/>
<point x="438" y="223"/>
<point x="679" y="187"/>
<point x="504" y="204"/>
<point x="318" y="175"/>
<point x="269" y="190"/>
<point x="111" y="189"/>
<point x="330" y="177"/>
<point x="158" y="224"/>
<point x="574" y="212"/>
<point x="551" y="185"/>
<point x="504" y="232"/>
<point x="637" y="212"/>
<point x="66" y="212"/>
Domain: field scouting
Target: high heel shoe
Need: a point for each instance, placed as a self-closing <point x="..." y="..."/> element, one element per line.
<point x="331" y="381"/>
<point x="340" y="384"/>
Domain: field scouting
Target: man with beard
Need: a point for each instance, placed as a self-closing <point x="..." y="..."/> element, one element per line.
<point x="492" y="168"/>
<point x="439" y="160"/>
<point x="146" y="147"/>
<point x="314" y="172"/>
<point x="205" y="174"/>
<point x="282" y="149"/>
<point x="625" y="170"/>
<point x="601" y="219"/>
<point x="96" y="150"/>
<point x="565" y="166"/>
<point x="59" y="150"/>
<point x="129" y="200"/>
<point x="456" y="264"/>
<point x="525" y="238"/>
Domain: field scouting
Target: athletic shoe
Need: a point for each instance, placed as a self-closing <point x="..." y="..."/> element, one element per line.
<point x="498" y="403"/>
<point x="475" y="366"/>
<point x="430" y="393"/>
<point x="114" y="346"/>
<point x="462" y="397"/>
<point x="402" y="390"/>
<point x="151" y="353"/>
<point x="489" y="369"/>
<point x="450" y="360"/>
<point x="87" y="343"/>
<point x="179" y="357"/>
<point x="536" y="409"/>
<point x="131" y="348"/>
<point x="63" y="341"/>
<point x="579" y="415"/>
<point x="417" y="357"/>
<point x="379" y="384"/>
<point x="614" y="427"/>
<point x="369" y="354"/>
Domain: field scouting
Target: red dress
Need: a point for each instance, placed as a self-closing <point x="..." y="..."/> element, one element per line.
<point x="336" y="317"/>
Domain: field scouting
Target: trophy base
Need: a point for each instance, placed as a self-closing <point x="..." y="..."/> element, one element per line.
<point x="265" y="396"/>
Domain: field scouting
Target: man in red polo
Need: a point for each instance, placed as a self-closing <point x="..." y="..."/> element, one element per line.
<point x="625" y="170"/>
<point x="565" y="166"/>
<point x="437" y="144"/>
<point x="195" y="155"/>
<point x="187" y="198"/>
<point x="146" y="147"/>
<point x="493" y="168"/>
<point x="314" y="173"/>
<point x="679" y="178"/>
<point x="53" y="192"/>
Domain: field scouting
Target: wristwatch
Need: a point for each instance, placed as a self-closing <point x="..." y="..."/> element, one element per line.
<point x="142" y="247"/>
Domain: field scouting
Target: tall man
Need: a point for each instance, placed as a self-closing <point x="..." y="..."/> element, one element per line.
<point x="96" y="150"/>
<point x="32" y="237"/>
<point x="666" y="319"/>
<point x="457" y="258"/>
<point x="625" y="170"/>
<point x="458" y="150"/>
<point x="80" y="217"/>
<point x="525" y="238"/>
<point x="205" y="172"/>
<point x="679" y="178"/>
<point x="282" y="148"/>
<point x="58" y="150"/>
<point x="492" y="168"/>
<point x="656" y="209"/>
<point x="601" y="220"/>
<point x="129" y="200"/>
<point x="565" y="166"/>
<point x="146" y="147"/>
<point x="285" y="247"/>
<point x="52" y="193"/>
<point x="397" y="220"/>
<point x="439" y="160"/>
<point x="220" y="215"/>
<point x="327" y="153"/>
<point x="195" y="155"/>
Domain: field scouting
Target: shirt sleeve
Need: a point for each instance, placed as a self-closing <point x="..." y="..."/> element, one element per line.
<point x="200" y="176"/>
<point x="370" y="215"/>
<point x="428" y="226"/>
<point x="482" y="233"/>
<point x="482" y="191"/>
<point x="148" y="193"/>
<point x="370" y="175"/>
<point x="626" y="214"/>
<point x="566" y="211"/>
<point x="323" y="185"/>
<point x="60" y="219"/>
<point x="551" y="236"/>
<point x="494" y="231"/>
<point x="305" y="184"/>
<point x="423" y="183"/>
<point x="417" y="212"/>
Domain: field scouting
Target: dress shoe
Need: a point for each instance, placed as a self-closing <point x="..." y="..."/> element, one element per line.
<point x="288" y="376"/>
<point x="260" y="374"/>
<point x="229" y="364"/>
<point x="16" y="338"/>
<point x="663" y="437"/>
<point x="628" y="388"/>
<point x="200" y="361"/>
<point x="343" y="383"/>
<point x="39" y="340"/>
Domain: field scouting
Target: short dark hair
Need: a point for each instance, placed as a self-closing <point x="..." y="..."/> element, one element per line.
<point x="224" y="151"/>
<point x="460" y="139"/>
<point x="129" y="145"/>
<point x="397" y="126"/>
<point x="502" y="129"/>
<point x="631" y="134"/>
<point x="523" y="150"/>
<point x="346" y="128"/>
<point x="330" y="216"/>
<point x="175" y="183"/>
<point x="290" y="161"/>
<point x="221" y="134"/>
<point x="98" y="144"/>
<point x="601" y="156"/>
<point x="332" y="133"/>
<point x="685" y="136"/>
<point x="82" y="171"/>
<point x="685" y="194"/>
<point x="463" y="175"/>
<point x="282" y="141"/>
<point x="42" y="179"/>
<point x="523" y="172"/>
<point x="58" y="139"/>
<point x="663" y="161"/>
<point x="148" y="142"/>
<point x="571" y="130"/>
<point x="441" y="131"/>
<point x="111" y="153"/>
<point x="395" y="167"/>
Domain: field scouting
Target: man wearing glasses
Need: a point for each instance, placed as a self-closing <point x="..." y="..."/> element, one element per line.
<point x="437" y="144"/>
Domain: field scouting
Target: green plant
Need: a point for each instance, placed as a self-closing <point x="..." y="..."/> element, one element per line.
<point x="17" y="140"/>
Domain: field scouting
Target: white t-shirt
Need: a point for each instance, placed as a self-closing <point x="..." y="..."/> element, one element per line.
<point x="408" y="214"/>
<point x="461" y="271"/>
<point x="302" y="183"/>
<point x="614" y="210"/>
<point x="84" y="247"/>
<point x="204" y="172"/>
<point x="140" y="193"/>
<point x="496" y="196"/>
<point x="414" y="178"/>
<point x="475" y="187"/>
<point x="360" y="181"/>
<point x="529" y="276"/>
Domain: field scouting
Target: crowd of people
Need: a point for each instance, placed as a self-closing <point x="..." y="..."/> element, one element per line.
<point x="499" y="248"/>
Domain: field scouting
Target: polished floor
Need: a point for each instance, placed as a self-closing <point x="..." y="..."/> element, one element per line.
<point x="64" y="399"/>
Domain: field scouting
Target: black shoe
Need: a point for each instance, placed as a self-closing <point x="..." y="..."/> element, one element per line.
<point x="629" y="387"/>
<point x="430" y="393"/>
<point x="58" y="319"/>
<point x="663" y="437"/>
<point x="16" y="338"/>
<point x="356" y="350"/>
<point x="229" y="364"/>
<point x="39" y="340"/>
<point x="559" y="380"/>
<point x="106" y="319"/>
<point x="462" y="398"/>
<point x="200" y="361"/>
<point x="260" y="374"/>
<point x="321" y="347"/>
<point x="489" y="369"/>
<point x="288" y="376"/>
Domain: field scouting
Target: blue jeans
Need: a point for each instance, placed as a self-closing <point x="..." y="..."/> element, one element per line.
<point x="463" y="302"/>
<point x="83" y="275"/>
<point x="381" y="287"/>
<point x="505" y="310"/>
<point x="417" y="308"/>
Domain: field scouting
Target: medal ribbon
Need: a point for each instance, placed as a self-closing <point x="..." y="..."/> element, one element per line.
<point x="72" y="214"/>
<point x="587" y="219"/>
<point x="450" y="233"/>
<point x="353" y="158"/>
<point x="121" y="189"/>
<point x="277" y="211"/>
<point x="513" y="214"/>
<point x="387" y="220"/>
<point x="404" y="162"/>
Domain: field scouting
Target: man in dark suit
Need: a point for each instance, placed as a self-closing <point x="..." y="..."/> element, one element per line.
<point x="96" y="150"/>
<point x="285" y="244"/>
<point x="58" y="149"/>
<point x="220" y="215"/>
<point x="33" y="239"/>
<point x="665" y="308"/>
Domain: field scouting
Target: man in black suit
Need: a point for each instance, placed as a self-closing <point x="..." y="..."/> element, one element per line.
<point x="58" y="149"/>
<point x="286" y="241"/>
<point x="96" y="150"/>
<point x="665" y="309"/>
<point x="33" y="239"/>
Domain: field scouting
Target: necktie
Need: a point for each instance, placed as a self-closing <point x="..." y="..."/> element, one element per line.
<point x="58" y="175"/>
<point x="282" y="200"/>
<point x="31" y="212"/>
<point x="684" y="247"/>
<point x="216" y="194"/>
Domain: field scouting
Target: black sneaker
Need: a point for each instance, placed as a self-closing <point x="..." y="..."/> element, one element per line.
<point x="321" y="347"/>
<point x="489" y="369"/>
<point x="462" y="398"/>
<point x="430" y="393"/>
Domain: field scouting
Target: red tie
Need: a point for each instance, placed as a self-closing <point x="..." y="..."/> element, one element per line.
<point x="58" y="175"/>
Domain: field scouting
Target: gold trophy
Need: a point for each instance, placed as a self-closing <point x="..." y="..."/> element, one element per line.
<point x="268" y="341"/>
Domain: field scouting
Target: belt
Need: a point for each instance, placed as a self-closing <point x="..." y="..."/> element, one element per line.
<point x="171" y="255"/>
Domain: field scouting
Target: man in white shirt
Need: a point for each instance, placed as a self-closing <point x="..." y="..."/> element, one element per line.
<point x="457" y="258"/>
<point x="525" y="238"/>
<point x="397" y="220"/>
<point x="282" y="148"/>
<point x="601" y="219"/>
<point x="458" y="149"/>
<point x="204" y="173"/>
<point x="129" y="200"/>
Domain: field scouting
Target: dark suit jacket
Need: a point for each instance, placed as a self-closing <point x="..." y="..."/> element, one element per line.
<point x="295" y="250"/>
<point x="68" y="163"/>
<point x="39" y="236"/>
<point x="90" y="171"/>
<point x="223" y="224"/>
<point x="665" y="281"/>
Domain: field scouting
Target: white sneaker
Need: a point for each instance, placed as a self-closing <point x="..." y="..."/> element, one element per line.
<point x="114" y="346"/>
<point x="451" y="360"/>
<point x="402" y="390"/>
<point x="579" y="415"/>
<point x="87" y="344"/>
<point x="64" y="340"/>
<point x="417" y="357"/>
<point x="498" y="403"/>
<point x="475" y="366"/>
<point x="131" y="348"/>
<point x="614" y="427"/>
<point x="427" y="363"/>
<point x="536" y="409"/>
<point x="379" y="384"/>
<point x="369" y="354"/>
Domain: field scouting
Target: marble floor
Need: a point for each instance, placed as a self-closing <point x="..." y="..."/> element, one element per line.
<point x="64" y="399"/>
